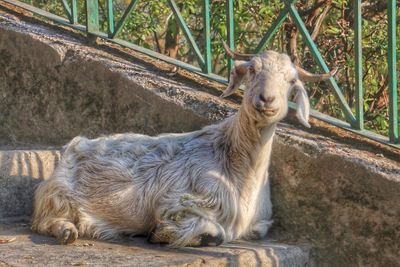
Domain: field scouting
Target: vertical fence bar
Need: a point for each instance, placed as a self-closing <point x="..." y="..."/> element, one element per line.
<point x="110" y="18"/>
<point x="230" y="30"/>
<point x="74" y="12"/>
<point x="92" y="16"/>
<point x="358" y="66"/>
<point x="392" y="58"/>
<point x="207" y="37"/>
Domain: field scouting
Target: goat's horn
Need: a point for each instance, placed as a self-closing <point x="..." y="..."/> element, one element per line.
<point x="310" y="77"/>
<point x="236" y="55"/>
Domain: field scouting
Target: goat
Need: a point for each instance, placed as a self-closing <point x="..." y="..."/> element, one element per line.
<point x="205" y="187"/>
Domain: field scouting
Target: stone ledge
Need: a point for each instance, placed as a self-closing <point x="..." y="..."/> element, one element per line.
<point x="20" y="172"/>
<point x="30" y="249"/>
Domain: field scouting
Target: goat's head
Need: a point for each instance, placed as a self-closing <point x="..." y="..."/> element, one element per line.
<point x="269" y="79"/>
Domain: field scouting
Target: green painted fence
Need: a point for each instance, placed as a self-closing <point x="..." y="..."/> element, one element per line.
<point x="354" y="120"/>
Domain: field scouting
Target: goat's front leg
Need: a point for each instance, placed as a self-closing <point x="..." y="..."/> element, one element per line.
<point x="258" y="230"/>
<point x="262" y="220"/>
<point x="189" y="223"/>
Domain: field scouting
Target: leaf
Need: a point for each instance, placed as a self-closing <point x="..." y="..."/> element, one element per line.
<point x="7" y="240"/>
<point x="332" y="30"/>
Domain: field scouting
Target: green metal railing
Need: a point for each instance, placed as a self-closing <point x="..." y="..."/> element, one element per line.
<point x="354" y="121"/>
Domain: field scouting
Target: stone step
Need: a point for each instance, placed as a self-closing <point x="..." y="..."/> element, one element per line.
<point x="22" y="170"/>
<point x="29" y="249"/>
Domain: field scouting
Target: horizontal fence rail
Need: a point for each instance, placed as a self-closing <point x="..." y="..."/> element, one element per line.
<point x="202" y="53"/>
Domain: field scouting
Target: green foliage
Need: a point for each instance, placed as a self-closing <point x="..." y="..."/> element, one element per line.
<point x="148" y="23"/>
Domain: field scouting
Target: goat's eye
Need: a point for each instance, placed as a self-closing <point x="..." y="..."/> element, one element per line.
<point x="293" y="81"/>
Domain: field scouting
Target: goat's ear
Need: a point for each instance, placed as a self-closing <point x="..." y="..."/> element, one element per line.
<point x="235" y="80"/>
<point x="303" y="105"/>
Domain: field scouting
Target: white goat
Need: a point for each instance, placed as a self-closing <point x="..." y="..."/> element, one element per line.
<point x="199" y="188"/>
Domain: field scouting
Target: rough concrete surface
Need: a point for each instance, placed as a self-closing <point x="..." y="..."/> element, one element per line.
<point x="20" y="173"/>
<point x="29" y="249"/>
<point x="341" y="198"/>
<point x="54" y="88"/>
<point x="344" y="204"/>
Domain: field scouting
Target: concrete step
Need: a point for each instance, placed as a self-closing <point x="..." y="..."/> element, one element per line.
<point x="29" y="249"/>
<point x="22" y="170"/>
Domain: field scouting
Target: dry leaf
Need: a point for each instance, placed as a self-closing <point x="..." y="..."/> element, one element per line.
<point x="80" y="263"/>
<point x="7" y="240"/>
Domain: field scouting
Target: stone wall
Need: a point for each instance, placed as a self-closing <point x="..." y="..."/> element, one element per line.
<point x="49" y="95"/>
<point x="348" y="208"/>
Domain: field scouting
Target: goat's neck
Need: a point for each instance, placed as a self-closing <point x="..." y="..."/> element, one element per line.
<point x="248" y="145"/>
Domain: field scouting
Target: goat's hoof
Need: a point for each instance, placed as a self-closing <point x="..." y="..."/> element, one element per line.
<point x="68" y="236"/>
<point x="210" y="240"/>
<point x="158" y="236"/>
<point x="256" y="235"/>
<point x="156" y="239"/>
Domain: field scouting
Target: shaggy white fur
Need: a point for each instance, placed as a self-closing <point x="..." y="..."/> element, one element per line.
<point x="199" y="188"/>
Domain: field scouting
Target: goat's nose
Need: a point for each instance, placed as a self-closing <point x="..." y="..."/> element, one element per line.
<point x="267" y="100"/>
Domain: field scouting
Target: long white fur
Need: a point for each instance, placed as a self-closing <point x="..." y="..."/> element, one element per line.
<point x="176" y="186"/>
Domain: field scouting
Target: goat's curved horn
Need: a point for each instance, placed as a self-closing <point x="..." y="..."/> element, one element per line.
<point x="236" y="55"/>
<point x="310" y="77"/>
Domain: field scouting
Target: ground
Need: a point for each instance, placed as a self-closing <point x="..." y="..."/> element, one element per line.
<point x="29" y="249"/>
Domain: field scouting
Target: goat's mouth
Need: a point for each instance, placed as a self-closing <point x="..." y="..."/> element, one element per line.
<point x="269" y="112"/>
